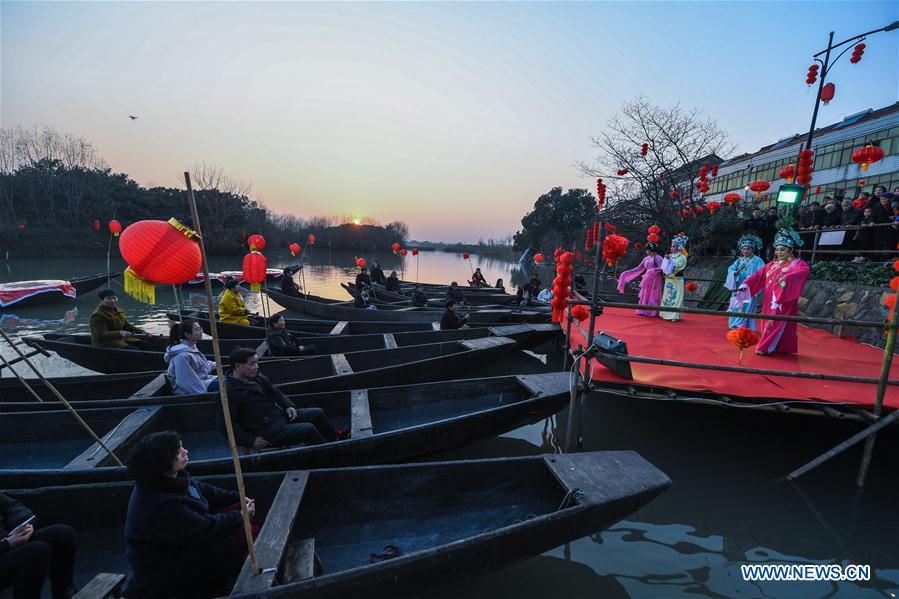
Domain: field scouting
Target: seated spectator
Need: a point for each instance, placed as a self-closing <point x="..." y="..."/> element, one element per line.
<point x="377" y="274"/>
<point x="110" y="327"/>
<point x="188" y="369"/>
<point x="499" y="284"/>
<point x="232" y="310"/>
<point x="288" y="286"/>
<point x="451" y="319"/>
<point x="362" y="279"/>
<point x="184" y="537"/>
<point x="281" y="343"/>
<point x="523" y="295"/>
<point x="363" y="300"/>
<point x="262" y="416"/>
<point x="419" y="299"/>
<point x="454" y="293"/>
<point x="29" y="553"/>
<point x="392" y="284"/>
<point x="546" y="295"/>
<point x="478" y="280"/>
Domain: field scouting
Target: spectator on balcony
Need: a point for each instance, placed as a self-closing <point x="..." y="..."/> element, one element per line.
<point x="811" y="216"/>
<point x="756" y="223"/>
<point x="865" y="237"/>
<point x="850" y="215"/>
<point x="831" y="216"/>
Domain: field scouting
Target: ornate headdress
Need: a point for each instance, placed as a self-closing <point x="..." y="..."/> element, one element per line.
<point x="752" y="241"/>
<point x="680" y="242"/>
<point x="788" y="238"/>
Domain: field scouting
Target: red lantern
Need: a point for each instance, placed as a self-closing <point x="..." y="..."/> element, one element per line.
<point x="691" y="286"/>
<point x="395" y="247"/>
<point x="403" y="252"/>
<point x="828" y="92"/>
<point x="652" y="237"/>
<point x="613" y="248"/>
<point x="254" y="265"/>
<point x="538" y="258"/>
<point x="861" y="182"/>
<point x="294" y="249"/>
<point x="713" y="207"/>
<point x="788" y="172"/>
<point x="655" y="230"/>
<point x="580" y="312"/>
<point x="639" y="245"/>
<point x="857" y="53"/>
<point x="731" y="198"/>
<point x="414" y="251"/>
<point x="622" y="172"/>
<point x="610" y="227"/>
<point x="812" y="74"/>
<point x="741" y="338"/>
<point x="158" y="252"/>
<point x="96" y="225"/>
<point x="697" y="208"/>
<point x="21" y="227"/>
<point x="644" y="149"/>
<point x="715" y="170"/>
<point x="466" y="255"/>
<point x="758" y="186"/>
<point x="867" y="156"/>
<point x="817" y="190"/>
<point x="257" y="242"/>
<point x="360" y="262"/>
<point x="675" y="194"/>
<point x="115" y="227"/>
<point x="312" y="240"/>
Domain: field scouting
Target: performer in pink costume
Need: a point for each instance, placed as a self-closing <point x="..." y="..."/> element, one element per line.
<point x="651" y="284"/>
<point x="782" y="280"/>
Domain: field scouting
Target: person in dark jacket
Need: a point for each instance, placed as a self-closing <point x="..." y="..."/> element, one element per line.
<point x="850" y="215"/>
<point x="182" y="535"/>
<point x="362" y="279"/>
<point x="478" y="280"/>
<point x="110" y="328"/>
<point x="451" y="319"/>
<point x="419" y="299"/>
<point x="831" y="216"/>
<point x="756" y="223"/>
<point x="363" y="300"/>
<point x="261" y="414"/>
<point x="28" y="555"/>
<point x="281" y="343"/>
<point x="288" y="285"/>
<point x="454" y="293"/>
<point x="811" y="216"/>
<point x="377" y="273"/>
<point x="393" y="283"/>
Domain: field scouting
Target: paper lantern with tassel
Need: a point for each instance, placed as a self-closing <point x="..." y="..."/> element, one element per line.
<point x="538" y="258"/>
<point x="580" y="312"/>
<point x="294" y="249"/>
<point x="158" y="252"/>
<point x="254" y="265"/>
<point x="257" y="242"/>
<point x="414" y="251"/>
<point x="115" y="227"/>
<point x="741" y="338"/>
<point x="311" y="239"/>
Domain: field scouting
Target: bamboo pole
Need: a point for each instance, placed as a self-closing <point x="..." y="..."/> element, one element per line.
<point x="881" y="391"/>
<point x="8" y="366"/>
<point x="571" y="435"/>
<point x="759" y="316"/>
<point x="223" y="388"/>
<point x="59" y="396"/>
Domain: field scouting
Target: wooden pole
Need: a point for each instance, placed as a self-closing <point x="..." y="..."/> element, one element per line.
<point x="881" y="391"/>
<point x="571" y="436"/>
<point x="594" y="299"/>
<point x="223" y="388"/>
<point x="59" y="396"/>
<point x="8" y="366"/>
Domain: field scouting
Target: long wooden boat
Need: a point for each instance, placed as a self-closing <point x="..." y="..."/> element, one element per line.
<point x="436" y="300"/>
<point x="82" y="285"/>
<point x="387" y="424"/>
<point x="309" y="327"/>
<point x="78" y="348"/>
<point x="361" y="369"/>
<point x="449" y="521"/>
<point x="441" y="288"/>
<point x="343" y="310"/>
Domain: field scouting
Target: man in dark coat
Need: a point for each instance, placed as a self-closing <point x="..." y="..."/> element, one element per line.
<point x="110" y="328"/>
<point x="363" y="300"/>
<point x="362" y="279"/>
<point x="392" y="284"/>
<point x="281" y="343"/>
<point x="451" y="319"/>
<point x="419" y="299"/>
<point x="756" y="223"/>
<point x="377" y="274"/>
<point x="261" y="414"/>
<point x="831" y="216"/>
<point x="454" y="293"/>
<point x="288" y="286"/>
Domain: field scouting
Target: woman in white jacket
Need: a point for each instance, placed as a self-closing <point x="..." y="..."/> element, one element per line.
<point x="189" y="371"/>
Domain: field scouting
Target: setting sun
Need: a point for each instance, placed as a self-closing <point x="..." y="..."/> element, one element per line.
<point x="356" y="221"/>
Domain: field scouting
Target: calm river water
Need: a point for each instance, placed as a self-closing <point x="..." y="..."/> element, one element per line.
<point x="728" y="505"/>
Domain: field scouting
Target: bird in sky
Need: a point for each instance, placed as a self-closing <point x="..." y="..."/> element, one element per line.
<point x="132" y="117"/>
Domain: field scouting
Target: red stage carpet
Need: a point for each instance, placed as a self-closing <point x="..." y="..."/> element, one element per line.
<point x="698" y="338"/>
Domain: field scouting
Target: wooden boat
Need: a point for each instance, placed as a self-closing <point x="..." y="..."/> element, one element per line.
<point x="448" y="520"/>
<point x="387" y="424"/>
<point x="78" y="348"/>
<point x="343" y="310"/>
<point x="441" y="288"/>
<point x="400" y="366"/>
<point x="436" y="300"/>
<point x="81" y="285"/>
<point x="308" y="327"/>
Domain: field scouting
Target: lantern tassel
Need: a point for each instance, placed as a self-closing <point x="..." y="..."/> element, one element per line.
<point x="864" y="167"/>
<point x="255" y="287"/>
<point x="139" y="288"/>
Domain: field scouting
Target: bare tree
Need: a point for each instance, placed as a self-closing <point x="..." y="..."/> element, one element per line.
<point x="206" y="177"/>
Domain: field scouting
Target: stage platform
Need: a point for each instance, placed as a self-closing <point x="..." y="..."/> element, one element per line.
<point x="701" y="339"/>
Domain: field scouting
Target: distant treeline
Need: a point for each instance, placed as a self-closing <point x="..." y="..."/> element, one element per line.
<point x="54" y="187"/>
<point x="494" y="247"/>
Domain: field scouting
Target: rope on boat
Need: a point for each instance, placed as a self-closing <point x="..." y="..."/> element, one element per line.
<point x="570" y="498"/>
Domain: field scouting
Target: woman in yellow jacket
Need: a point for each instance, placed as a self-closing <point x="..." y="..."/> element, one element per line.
<point x="231" y="307"/>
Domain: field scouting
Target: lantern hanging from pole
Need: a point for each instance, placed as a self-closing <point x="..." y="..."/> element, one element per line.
<point x="867" y="156"/>
<point x="158" y="252"/>
<point x="360" y="262"/>
<point x="644" y="149"/>
<point x="788" y="172"/>
<point x="294" y="249"/>
<point x="403" y="252"/>
<point x="257" y="242"/>
<point x="414" y="251"/>
<point x="622" y="172"/>
<point x="115" y="227"/>
<point x="395" y="247"/>
<point x="538" y="258"/>
<point x="758" y="186"/>
<point x="311" y="239"/>
<point x="254" y="265"/>
<point x="96" y="225"/>
<point x="828" y="92"/>
<point x="675" y="194"/>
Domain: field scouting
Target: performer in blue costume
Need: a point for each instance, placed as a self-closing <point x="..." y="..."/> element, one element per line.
<point x="673" y="266"/>
<point x="742" y="267"/>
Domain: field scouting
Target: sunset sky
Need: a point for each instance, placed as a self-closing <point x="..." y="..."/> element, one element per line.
<point x="453" y="117"/>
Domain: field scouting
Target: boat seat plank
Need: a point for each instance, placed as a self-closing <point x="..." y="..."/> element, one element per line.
<point x="360" y="419"/>
<point x="340" y="364"/>
<point x="150" y="389"/>
<point x="262" y="349"/>
<point x="339" y="327"/>
<point x="101" y="586"/>
<point x="299" y="561"/>
<point x="126" y="430"/>
<point x="389" y="341"/>
<point x="272" y="541"/>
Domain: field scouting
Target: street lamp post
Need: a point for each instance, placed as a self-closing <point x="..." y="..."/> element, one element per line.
<point x="826" y="65"/>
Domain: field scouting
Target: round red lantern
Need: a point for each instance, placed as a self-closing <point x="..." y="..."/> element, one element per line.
<point x="652" y="237"/>
<point x="257" y="242"/>
<point x="414" y="251"/>
<point x="731" y="198"/>
<point x="828" y="92"/>
<point x="396" y="247"/>
<point x="96" y="225"/>
<point x="158" y="252"/>
<point x="758" y="186"/>
<point x="294" y="249"/>
<point x="675" y="194"/>
<point x="538" y="258"/>
<point x="622" y="172"/>
<point x="115" y="227"/>
<point x="788" y="172"/>
<point x="312" y="240"/>
<point x="466" y="255"/>
<point x="360" y="262"/>
<point x="655" y="230"/>
<point x="254" y="265"/>
<point x="691" y="286"/>
<point x="867" y="156"/>
<point x="403" y="252"/>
